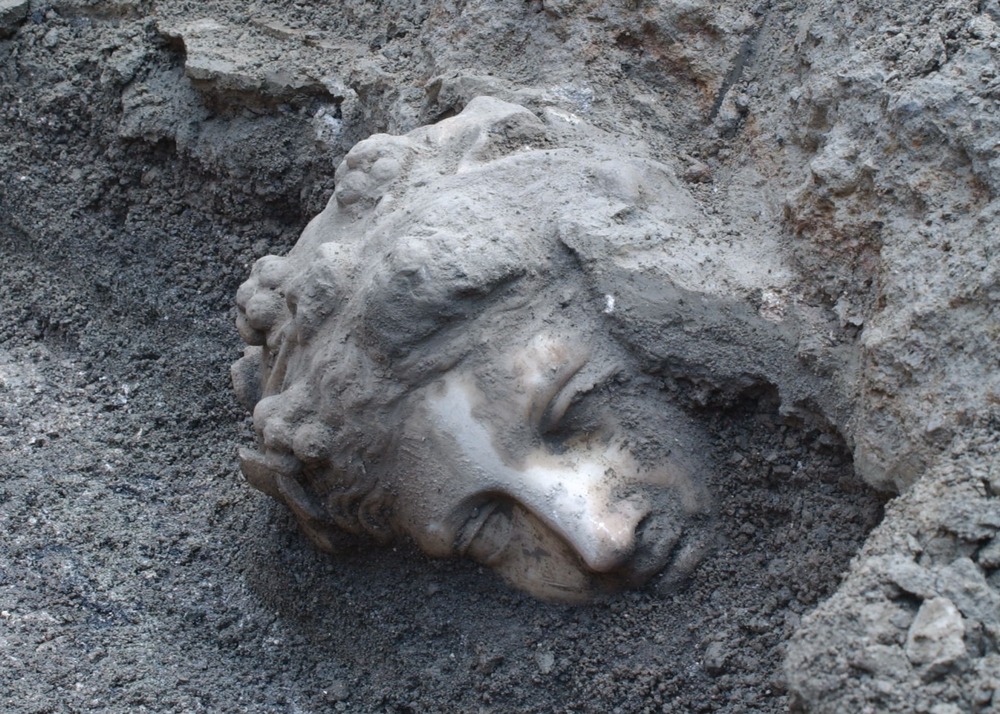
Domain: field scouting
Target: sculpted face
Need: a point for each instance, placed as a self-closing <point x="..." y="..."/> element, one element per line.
<point x="435" y="358"/>
<point x="524" y="464"/>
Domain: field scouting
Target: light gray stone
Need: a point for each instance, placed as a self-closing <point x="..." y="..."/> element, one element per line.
<point x="937" y="634"/>
<point x="989" y="555"/>
<point x="910" y="577"/>
<point x="964" y="584"/>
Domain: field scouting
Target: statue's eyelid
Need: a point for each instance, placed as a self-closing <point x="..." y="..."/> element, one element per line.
<point x="566" y="404"/>
<point x="554" y="414"/>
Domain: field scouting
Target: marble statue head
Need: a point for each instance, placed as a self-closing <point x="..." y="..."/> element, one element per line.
<point x="444" y="356"/>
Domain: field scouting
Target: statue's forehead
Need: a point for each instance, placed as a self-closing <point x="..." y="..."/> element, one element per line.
<point x="470" y="217"/>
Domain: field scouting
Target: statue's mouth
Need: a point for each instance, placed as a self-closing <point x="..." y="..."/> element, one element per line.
<point x="509" y="538"/>
<point x="659" y="537"/>
<point x="486" y="535"/>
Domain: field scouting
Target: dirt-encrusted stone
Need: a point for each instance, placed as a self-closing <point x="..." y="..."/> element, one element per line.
<point x="917" y="620"/>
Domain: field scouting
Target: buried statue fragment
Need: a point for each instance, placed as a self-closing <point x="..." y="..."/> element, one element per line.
<point x="450" y="354"/>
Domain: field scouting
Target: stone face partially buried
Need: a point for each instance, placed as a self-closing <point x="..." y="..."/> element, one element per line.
<point x="449" y="354"/>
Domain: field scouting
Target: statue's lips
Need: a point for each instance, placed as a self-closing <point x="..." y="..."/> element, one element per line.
<point x="660" y="538"/>
<point x="516" y="543"/>
<point x="486" y="535"/>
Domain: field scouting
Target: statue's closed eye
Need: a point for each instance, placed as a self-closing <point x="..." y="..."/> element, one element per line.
<point x="576" y="413"/>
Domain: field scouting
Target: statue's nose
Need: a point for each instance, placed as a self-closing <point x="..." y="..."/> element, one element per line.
<point x="576" y="504"/>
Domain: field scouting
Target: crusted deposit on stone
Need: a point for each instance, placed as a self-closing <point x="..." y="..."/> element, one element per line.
<point x="229" y="68"/>
<point x="435" y="358"/>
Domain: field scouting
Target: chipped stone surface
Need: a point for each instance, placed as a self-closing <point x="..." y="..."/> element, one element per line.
<point x="965" y="584"/>
<point x="910" y="576"/>
<point x="936" y="637"/>
<point x="232" y="68"/>
<point x="945" y="634"/>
